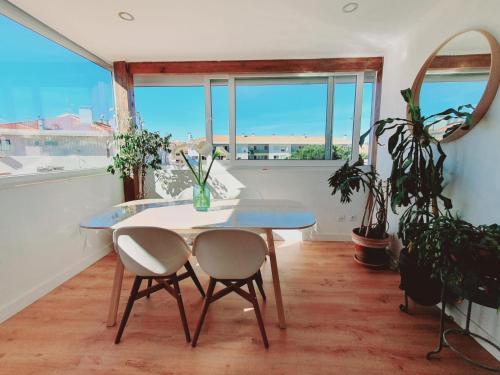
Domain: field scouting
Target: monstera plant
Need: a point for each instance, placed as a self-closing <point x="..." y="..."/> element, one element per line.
<point x="417" y="184"/>
<point x="371" y="238"/>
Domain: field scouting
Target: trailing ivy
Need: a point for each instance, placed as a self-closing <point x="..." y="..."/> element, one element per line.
<point x="465" y="255"/>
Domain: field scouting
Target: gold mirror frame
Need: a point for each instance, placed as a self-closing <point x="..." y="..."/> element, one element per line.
<point x="489" y="92"/>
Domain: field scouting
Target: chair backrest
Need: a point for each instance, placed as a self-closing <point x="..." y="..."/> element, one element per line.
<point x="149" y="251"/>
<point x="230" y="253"/>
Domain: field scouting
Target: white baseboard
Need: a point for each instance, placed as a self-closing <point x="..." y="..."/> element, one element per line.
<point x="13" y="307"/>
<point x="315" y="236"/>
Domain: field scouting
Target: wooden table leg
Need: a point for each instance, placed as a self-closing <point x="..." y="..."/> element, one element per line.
<point x="115" y="293"/>
<point x="276" y="279"/>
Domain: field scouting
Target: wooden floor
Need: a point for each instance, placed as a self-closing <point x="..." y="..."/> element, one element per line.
<point x="342" y="319"/>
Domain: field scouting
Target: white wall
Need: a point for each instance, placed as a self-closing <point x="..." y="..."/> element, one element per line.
<point x="472" y="164"/>
<point x="308" y="185"/>
<point x="41" y="244"/>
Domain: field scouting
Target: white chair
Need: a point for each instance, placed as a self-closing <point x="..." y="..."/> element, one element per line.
<point x="154" y="254"/>
<point x="233" y="258"/>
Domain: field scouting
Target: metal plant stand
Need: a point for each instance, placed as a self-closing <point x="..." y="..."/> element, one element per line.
<point x="443" y="341"/>
<point x="404" y="307"/>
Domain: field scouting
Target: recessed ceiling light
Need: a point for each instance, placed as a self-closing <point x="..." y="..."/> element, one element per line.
<point x="126" y="16"/>
<point x="350" y="7"/>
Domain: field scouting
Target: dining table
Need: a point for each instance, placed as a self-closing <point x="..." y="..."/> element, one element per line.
<point x="261" y="215"/>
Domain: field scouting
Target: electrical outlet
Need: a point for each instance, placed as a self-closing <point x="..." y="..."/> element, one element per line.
<point x="341" y="219"/>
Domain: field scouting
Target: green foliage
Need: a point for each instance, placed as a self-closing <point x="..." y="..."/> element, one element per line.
<point x="341" y="152"/>
<point x="349" y="179"/>
<point x="317" y="152"/>
<point x="416" y="178"/>
<point x="309" y="152"/>
<point x="467" y="257"/>
<point x="138" y="151"/>
<point x="352" y="178"/>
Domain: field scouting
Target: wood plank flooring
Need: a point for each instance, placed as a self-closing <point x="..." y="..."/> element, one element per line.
<point x="342" y="319"/>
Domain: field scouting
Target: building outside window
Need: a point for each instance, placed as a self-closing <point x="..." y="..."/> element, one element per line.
<point x="56" y="107"/>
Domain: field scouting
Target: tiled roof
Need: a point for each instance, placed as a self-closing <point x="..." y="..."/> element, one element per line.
<point x="66" y="122"/>
<point x="31" y="125"/>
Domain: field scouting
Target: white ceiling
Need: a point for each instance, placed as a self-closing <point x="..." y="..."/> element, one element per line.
<point x="176" y="30"/>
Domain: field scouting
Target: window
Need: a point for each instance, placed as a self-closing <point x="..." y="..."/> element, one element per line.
<point x="367" y="114"/>
<point x="281" y="114"/>
<point x="176" y="110"/>
<point x="56" y="107"/>
<point x="343" y="117"/>
<point x="219" y="95"/>
<point x="5" y="145"/>
<point x="301" y="117"/>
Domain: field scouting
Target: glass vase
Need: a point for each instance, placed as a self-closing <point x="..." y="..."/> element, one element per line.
<point x="201" y="197"/>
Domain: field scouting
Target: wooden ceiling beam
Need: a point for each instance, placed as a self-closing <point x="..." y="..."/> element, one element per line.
<point x="123" y="84"/>
<point x="257" y="66"/>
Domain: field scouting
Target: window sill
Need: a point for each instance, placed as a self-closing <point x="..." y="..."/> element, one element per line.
<point x="7" y="182"/>
<point x="276" y="165"/>
<point x="283" y="164"/>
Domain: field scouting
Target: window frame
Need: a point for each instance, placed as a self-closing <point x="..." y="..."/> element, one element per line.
<point x="205" y="80"/>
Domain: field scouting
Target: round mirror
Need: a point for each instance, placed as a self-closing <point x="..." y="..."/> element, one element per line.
<point x="463" y="71"/>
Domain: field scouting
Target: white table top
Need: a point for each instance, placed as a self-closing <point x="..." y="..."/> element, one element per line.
<point x="181" y="216"/>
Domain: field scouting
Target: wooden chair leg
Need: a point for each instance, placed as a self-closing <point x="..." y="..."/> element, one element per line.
<point x="150" y="284"/>
<point x="175" y="283"/>
<point x="190" y="270"/>
<point x="210" y="292"/>
<point x="128" y="309"/>
<point x="257" y="312"/>
<point x="260" y="285"/>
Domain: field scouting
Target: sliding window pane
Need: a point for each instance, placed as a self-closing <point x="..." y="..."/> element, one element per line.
<point x="366" y="114"/>
<point x="281" y="118"/>
<point x="56" y="107"/>
<point x="344" y="99"/>
<point x="175" y="110"/>
<point x="220" y="117"/>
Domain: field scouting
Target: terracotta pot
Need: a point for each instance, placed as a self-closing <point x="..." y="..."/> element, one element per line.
<point x="370" y="252"/>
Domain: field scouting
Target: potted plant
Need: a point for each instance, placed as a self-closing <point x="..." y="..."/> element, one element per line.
<point x="417" y="184"/>
<point x="138" y="152"/>
<point x="201" y="191"/>
<point x="371" y="238"/>
<point x="465" y="256"/>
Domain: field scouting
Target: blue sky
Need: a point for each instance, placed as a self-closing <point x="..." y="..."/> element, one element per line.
<point x="438" y="96"/>
<point x="39" y="78"/>
<point x="260" y="109"/>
